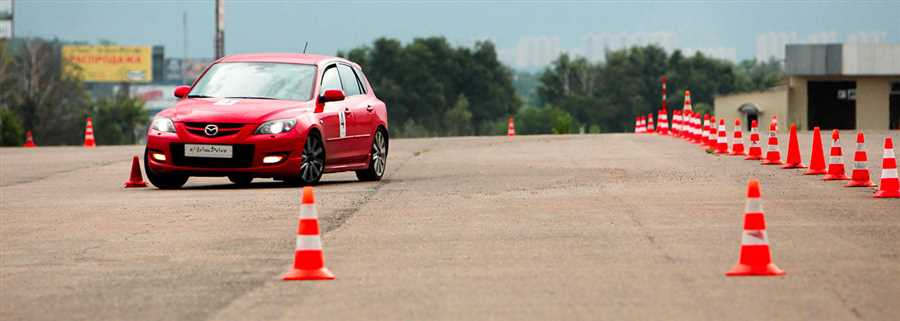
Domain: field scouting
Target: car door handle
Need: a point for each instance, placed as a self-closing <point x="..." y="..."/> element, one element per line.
<point x="347" y="110"/>
<point x="370" y="108"/>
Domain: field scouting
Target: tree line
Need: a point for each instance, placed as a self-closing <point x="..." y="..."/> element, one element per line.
<point x="432" y="88"/>
<point x="36" y="95"/>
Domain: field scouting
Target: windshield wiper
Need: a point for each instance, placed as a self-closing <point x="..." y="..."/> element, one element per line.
<point x="248" y="97"/>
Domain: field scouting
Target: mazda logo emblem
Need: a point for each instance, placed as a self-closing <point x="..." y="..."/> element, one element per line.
<point x="211" y="130"/>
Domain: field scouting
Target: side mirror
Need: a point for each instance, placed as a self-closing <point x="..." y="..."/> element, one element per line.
<point x="182" y="91"/>
<point x="332" y="95"/>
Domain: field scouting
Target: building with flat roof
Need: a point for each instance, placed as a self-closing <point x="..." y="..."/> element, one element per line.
<point x="832" y="86"/>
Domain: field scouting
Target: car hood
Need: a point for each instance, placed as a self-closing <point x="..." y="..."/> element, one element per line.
<point x="244" y="111"/>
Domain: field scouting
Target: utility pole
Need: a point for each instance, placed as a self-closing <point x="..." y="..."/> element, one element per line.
<point x="220" y="28"/>
<point x="184" y="56"/>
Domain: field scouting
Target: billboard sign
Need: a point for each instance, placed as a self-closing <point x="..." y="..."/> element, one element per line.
<point x="110" y="63"/>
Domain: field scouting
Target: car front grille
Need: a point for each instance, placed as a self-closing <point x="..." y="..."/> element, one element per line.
<point x="225" y="129"/>
<point x="242" y="157"/>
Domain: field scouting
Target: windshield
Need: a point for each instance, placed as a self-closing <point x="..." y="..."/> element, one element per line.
<point x="259" y="80"/>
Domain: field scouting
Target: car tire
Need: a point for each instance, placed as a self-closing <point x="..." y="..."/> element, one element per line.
<point x="240" y="180"/>
<point x="377" y="158"/>
<point x="163" y="181"/>
<point x="312" y="164"/>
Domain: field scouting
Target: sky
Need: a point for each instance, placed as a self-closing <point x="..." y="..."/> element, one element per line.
<point x="284" y="26"/>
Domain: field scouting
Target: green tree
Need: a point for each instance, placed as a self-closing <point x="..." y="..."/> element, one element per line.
<point x="11" y="132"/>
<point x="119" y="119"/>
<point x="458" y="119"/>
<point x="50" y="102"/>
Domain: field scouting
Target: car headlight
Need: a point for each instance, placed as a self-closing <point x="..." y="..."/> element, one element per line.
<point x="163" y="124"/>
<point x="276" y="126"/>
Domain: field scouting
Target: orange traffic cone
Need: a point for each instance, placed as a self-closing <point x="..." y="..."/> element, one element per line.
<point x="136" y="179"/>
<point x="836" y="159"/>
<point x="860" y="176"/>
<point x="773" y="154"/>
<point x="662" y="120"/>
<point x="704" y="134"/>
<point x="737" y="146"/>
<point x="642" y="125"/>
<point x="309" y="263"/>
<point x="755" y="257"/>
<point x="650" y="127"/>
<point x="793" y="156"/>
<point x="722" y="139"/>
<point x="755" y="151"/>
<point x="510" y="127"/>
<point x="29" y="140"/>
<point x="696" y="126"/>
<point x="676" y="123"/>
<point x="89" y="134"/>
<point x="711" y="140"/>
<point x="817" y="160"/>
<point x="889" y="187"/>
<point x="637" y="124"/>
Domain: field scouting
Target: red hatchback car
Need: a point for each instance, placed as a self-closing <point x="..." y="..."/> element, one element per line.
<point x="291" y="117"/>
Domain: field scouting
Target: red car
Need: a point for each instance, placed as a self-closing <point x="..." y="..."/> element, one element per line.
<point x="291" y="117"/>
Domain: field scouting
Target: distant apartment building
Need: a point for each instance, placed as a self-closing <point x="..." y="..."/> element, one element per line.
<point x="597" y="44"/>
<point x="532" y="52"/>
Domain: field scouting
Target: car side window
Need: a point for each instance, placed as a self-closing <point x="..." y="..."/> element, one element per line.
<point x="331" y="80"/>
<point x="348" y="79"/>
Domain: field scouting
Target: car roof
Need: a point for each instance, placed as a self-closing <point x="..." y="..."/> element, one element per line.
<point x="292" y="58"/>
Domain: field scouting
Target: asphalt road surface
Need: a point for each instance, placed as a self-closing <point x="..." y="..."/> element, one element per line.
<point x="619" y="227"/>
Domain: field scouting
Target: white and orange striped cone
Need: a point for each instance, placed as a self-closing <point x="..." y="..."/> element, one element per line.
<point x="637" y="124"/>
<point x="754" y="152"/>
<point x="737" y="145"/>
<point x="309" y="263"/>
<point x="889" y="186"/>
<point x="651" y="128"/>
<point x="642" y="125"/>
<point x="860" y="176"/>
<point x="836" y="170"/>
<point x="89" y="134"/>
<point x="696" y="126"/>
<point x="704" y="132"/>
<point x="773" y="153"/>
<point x="756" y="259"/>
<point x="662" y="122"/>
<point x="722" y="138"/>
<point x="29" y="140"/>
<point x="676" y="123"/>
<point x="510" y="127"/>
<point x="712" y="139"/>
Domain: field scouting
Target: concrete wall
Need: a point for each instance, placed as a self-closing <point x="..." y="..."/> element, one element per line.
<point x="872" y="100"/>
<point x="773" y="102"/>
<point x="791" y="103"/>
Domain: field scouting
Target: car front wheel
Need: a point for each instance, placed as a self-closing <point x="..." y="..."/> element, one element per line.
<point x="163" y="181"/>
<point x="313" y="164"/>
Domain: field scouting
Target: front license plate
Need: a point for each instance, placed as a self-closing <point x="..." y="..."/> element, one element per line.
<point x="213" y="151"/>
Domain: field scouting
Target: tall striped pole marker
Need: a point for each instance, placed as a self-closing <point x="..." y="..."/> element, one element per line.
<point x="309" y="263"/>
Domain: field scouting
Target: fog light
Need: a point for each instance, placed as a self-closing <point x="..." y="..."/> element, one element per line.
<point x="272" y="159"/>
<point x="158" y="156"/>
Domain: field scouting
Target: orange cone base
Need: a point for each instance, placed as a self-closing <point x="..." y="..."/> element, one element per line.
<point x="887" y="194"/>
<point x="797" y="165"/>
<point x="758" y="270"/>
<point x="830" y="177"/>
<point x="815" y="172"/>
<point x="135" y="184"/>
<point x="737" y="154"/>
<point x="753" y="158"/>
<point x="860" y="184"/>
<point x="768" y="162"/>
<point x="299" y="275"/>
